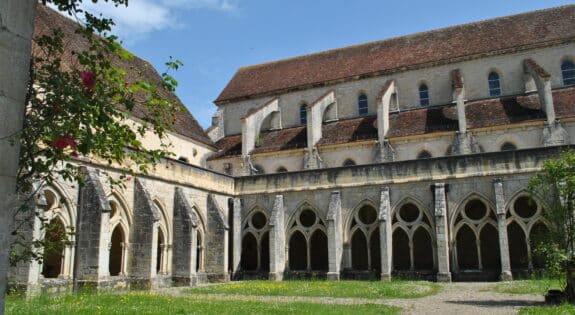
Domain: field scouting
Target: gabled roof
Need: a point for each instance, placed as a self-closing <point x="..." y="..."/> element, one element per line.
<point x="136" y="68"/>
<point x="479" y="114"/>
<point x="495" y="36"/>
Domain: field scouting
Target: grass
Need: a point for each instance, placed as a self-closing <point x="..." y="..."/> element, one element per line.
<point x="336" y="289"/>
<point x="561" y="309"/>
<point x="146" y="303"/>
<point x="535" y="286"/>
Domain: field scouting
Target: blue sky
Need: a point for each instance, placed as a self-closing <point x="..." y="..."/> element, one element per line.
<point x="213" y="38"/>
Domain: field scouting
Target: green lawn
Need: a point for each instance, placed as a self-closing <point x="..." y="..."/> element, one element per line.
<point x="555" y="310"/>
<point x="539" y="286"/>
<point x="145" y="303"/>
<point x="338" y="289"/>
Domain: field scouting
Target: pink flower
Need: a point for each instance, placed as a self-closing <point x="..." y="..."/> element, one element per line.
<point x="88" y="79"/>
<point x="63" y="142"/>
<point x="128" y="178"/>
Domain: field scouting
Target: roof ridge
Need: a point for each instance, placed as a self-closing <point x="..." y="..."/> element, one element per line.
<point x="488" y="37"/>
<point x="400" y="37"/>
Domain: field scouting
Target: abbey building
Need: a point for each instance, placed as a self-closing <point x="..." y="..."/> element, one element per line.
<point x="408" y="156"/>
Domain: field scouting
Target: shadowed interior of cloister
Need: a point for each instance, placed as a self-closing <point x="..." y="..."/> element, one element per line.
<point x="475" y="252"/>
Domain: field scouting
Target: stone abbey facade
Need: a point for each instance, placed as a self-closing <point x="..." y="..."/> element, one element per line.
<point x="408" y="156"/>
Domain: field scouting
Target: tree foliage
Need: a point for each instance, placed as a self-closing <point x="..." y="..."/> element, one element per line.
<point x="557" y="184"/>
<point x="82" y="111"/>
<point x="80" y="108"/>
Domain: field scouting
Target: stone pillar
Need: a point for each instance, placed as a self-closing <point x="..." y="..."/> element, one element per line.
<point x="543" y="83"/>
<point x="385" y="234"/>
<point x="237" y="237"/>
<point x="25" y="275"/>
<point x="315" y="114"/>
<point x="277" y="240"/>
<point x="334" y="236"/>
<point x="185" y="223"/>
<point x="441" y="234"/>
<point x="216" y="242"/>
<point x="464" y="143"/>
<point x="385" y="152"/>
<point x="93" y="233"/>
<point x="459" y="98"/>
<point x="143" y="237"/>
<point x="252" y="124"/>
<point x="502" y="229"/>
<point x="17" y="26"/>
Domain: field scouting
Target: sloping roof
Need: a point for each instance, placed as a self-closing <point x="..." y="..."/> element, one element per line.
<point x="479" y="114"/>
<point x="517" y="32"/>
<point x="136" y="68"/>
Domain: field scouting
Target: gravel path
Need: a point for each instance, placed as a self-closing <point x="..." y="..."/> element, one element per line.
<point x="467" y="298"/>
<point x="453" y="298"/>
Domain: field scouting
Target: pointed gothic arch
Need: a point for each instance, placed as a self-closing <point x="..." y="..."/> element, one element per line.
<point x="413" y="237"/>
<point x="306" y="224"/>
<point x="475" y="214"/>
<point x="524" y="211"/>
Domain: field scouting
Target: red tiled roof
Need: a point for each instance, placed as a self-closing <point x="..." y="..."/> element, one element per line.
<point x="502" y="111"/>
<point x="136" y="69"/>
<point x="504" y="34"/>
<point x="479" y="114"/>
<point x="343" y="131"/>
<point x="422" y="120"/>
<point x="564" y="101"/>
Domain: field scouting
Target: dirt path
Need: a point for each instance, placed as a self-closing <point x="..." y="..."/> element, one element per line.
<point x="467" y="298"/>
<point x="453" y="298"/>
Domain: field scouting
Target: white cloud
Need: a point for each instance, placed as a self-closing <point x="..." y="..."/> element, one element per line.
<point x="220" y="5"/>
<point x="142" y="17"/>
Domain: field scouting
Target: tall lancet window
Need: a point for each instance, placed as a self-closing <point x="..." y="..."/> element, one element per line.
<point x="494" y="84"/>
<point x="423" y="95"/>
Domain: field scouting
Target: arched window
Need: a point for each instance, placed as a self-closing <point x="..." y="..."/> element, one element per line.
<point x="424" y="155"/>
<point x="160" y="250"/>
<point x="281" y="169"/>
<point x="349" y="162"/>
<point x="568" y="72"/>
<point x="303" y="114"/>
<point x="55" y="239"/>
<point x="362" y="104"/>
<point x="423" y="95"/>
<point x="508" y="146"/>
<point x="494" y="84"/>
<point x="117" y="243"/>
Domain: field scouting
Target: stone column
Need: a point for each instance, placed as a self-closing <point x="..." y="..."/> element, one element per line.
<point x="216" y="242"/>
<point x="237" y="237"/>
<point x="93" y="233"/>
<point x="441" y="234"/>
<point x="334" y="236"/>
<point x="502" y="229"/>
<point x="385" y="152"/>
<point x="185" y="223"/>
<point x="143" y="237"/>
<point x="26" y="273"/>
<point x="17" y="27"/>
<point x="277" y="240"/>
<point x="315" y="115"/>
<point x="385" y="234"/>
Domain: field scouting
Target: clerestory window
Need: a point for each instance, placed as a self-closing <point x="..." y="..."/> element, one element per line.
<point x="494" y="84"/>
<point x="423" y="95"/>
<point x="568" y="72"/>
<point x="362" y="104"/>
<point x="303" y="114"/>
